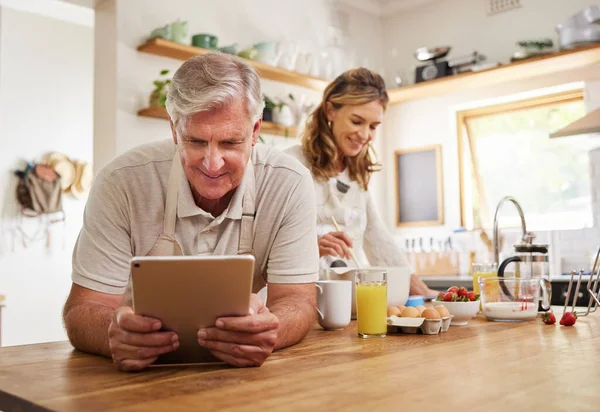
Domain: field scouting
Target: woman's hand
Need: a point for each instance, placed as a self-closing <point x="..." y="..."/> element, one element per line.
<point x="418" y="287"/>
<point x="335" y="244"/>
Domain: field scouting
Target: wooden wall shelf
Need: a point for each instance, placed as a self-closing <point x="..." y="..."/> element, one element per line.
<point x="156" y="112"/>
<point x="165" y="48"/>
<point x="537" y="66"/>
<point x="266" y="128"/>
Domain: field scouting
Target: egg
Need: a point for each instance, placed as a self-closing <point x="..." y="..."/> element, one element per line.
<point x="430" y="314"/>
<point x="393" y="311"/>
<point x="401" y="308"/>
<point x="444" y="313"/>
<point x="420" y="309"/>
<point x="410" y="312"/>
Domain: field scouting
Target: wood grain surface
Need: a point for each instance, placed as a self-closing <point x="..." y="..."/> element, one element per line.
<point x="483" y="366"/>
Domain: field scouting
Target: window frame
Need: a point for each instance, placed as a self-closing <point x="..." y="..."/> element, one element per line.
<point x="462" y="121"/>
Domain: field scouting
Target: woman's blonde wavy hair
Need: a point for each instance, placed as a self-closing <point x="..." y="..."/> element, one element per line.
<point x="353" y="87"/>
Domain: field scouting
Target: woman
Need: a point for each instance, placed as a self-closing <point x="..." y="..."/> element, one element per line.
<point x="336" y="149"/>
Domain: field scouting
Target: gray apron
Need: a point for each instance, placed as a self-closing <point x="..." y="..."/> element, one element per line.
<point x="167" y="245"/>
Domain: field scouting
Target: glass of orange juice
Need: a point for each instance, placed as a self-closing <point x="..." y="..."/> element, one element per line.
<point x="371" y="302"/>
<point x="483" y="270"/>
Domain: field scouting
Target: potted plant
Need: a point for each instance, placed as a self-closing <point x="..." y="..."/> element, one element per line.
<point x="282" y="112"/>
<point x="268" y="110"/>
<point x="298" y="109"/>
<point x="158" y="97"/>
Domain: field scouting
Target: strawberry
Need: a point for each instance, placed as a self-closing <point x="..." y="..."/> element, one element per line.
<point x="462" y="291"/>
<point x="450" y="297"/>
<point x="463" y="298"/>
<point x="440" y="296"/>
<point x="473" y="296"/>
<point x="568" y="319"/>
<point x="549" y="318"/>
<point x="452" y="289"/>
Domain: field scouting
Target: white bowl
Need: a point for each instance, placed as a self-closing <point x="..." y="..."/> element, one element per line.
<point x="398" y="283"/>
<point x="461" y="311"/>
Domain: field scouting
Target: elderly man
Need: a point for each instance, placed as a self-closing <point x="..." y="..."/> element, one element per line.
<point x="211" y="192"/>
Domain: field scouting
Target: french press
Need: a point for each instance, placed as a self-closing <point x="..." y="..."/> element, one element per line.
<point x="531" y="262"/>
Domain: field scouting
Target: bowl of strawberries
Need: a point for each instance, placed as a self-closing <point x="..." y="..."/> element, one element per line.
<point x="462" y="304"/>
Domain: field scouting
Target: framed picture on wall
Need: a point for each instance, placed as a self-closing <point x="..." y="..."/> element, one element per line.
<point x="419" y="186"/>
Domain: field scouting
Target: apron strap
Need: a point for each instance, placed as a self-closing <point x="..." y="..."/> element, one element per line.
<point x="246" y="243"/>
<point x="170" y="215"/>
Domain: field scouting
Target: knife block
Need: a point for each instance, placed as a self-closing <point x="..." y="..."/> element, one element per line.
<point x="434" y="263"/>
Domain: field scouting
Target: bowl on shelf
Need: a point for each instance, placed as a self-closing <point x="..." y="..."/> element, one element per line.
<point x="205" y="41"/>
<point x="231" y="49"/>
<point x="462" y="312"/>
<point x="266" y="52"/>
<point x="249" y="53"/>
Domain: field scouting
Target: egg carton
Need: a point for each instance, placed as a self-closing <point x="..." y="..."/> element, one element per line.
<point x="397" y="324"/>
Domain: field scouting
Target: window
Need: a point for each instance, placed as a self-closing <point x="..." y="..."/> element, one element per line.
<point x="506" y="150"/>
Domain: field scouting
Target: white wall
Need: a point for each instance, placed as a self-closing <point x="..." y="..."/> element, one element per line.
<point x="46" y="80"/>
<point x="232" y="21"/>
<point x="464" y="25"/>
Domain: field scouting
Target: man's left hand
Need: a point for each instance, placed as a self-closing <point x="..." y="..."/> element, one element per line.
<point x="243" y="341"/>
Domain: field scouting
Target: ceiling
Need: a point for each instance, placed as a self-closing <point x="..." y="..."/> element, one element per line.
<point x="375" y="7"/>
<point x="385" y="7"/>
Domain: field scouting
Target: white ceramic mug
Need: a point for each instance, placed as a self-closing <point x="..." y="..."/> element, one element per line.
<point x="334" y="303"/>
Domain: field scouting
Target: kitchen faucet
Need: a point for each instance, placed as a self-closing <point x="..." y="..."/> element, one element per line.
<point x="527" y="236"/>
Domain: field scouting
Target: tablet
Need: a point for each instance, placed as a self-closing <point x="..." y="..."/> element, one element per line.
<point x="187" y="293"/>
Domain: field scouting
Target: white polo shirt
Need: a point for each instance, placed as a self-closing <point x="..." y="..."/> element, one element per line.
<point x="124" y="217"/>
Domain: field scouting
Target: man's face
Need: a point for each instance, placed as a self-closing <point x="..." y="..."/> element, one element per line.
<point x="214" y="147"/>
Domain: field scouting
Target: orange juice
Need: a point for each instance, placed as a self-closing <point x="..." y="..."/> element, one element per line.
<point x="371" y="308"/>
<point x="477" y="275"/>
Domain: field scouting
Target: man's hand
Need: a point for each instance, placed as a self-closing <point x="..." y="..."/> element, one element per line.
<point x="243" y="340"/>
<point x="335" y="244"/>
<point x="134" y="341"/>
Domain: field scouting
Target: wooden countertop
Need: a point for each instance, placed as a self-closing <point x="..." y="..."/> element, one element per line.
<point x="483" y="366"/>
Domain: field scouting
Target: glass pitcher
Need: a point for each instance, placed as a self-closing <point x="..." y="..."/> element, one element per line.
<point x="531" y="262"/>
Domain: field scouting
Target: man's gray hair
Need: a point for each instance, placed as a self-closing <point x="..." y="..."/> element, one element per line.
<point x="213" y="81"/>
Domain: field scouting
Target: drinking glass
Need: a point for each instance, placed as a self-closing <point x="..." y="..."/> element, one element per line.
<point x="482" y="270"/>
<point x="371" y="302"/>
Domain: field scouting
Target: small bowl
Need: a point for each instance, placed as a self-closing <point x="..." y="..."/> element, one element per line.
<point x="415" y="301"/>
<point x="205" y="41"/>
<point x="231" y="49"/>
<point x="461" y="311"/>
<point x="249" y="54"/>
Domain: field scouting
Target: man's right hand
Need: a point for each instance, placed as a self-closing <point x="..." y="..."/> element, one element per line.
<point x="335" y="244"/>
<point x="134" y="341"/>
